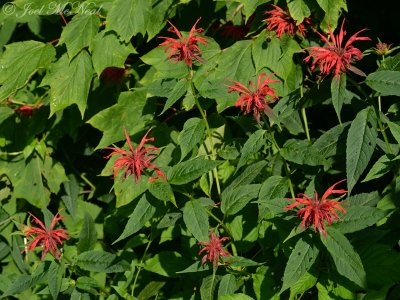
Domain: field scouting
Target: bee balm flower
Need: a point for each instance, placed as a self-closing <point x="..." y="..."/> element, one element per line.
<point x="213" y="249"/>
<point x="47" y="238"/>
<point x="316" y="211"/>
<point x="135" y="161"/>
<point x="335" y="57"/>
<point x="185" y="48"/>
<point x="256" y="99"/>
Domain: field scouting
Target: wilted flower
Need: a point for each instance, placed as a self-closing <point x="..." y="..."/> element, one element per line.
<point x="281" y="22"/>
<point x="184" y="48"/>
<point x="258" y="98"/>
<point x="334" y="57"/>
<point x="214" y="249"/>
<point x="135" y="160"/>
<point x="316" y="211"/>
<point x="47" y="238"/>
<point x="113" y="75"/>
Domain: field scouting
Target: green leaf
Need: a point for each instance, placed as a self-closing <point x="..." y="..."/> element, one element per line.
<point x="142" y="213"/>
<point x="236" y="62"/>
<point x="301" y="152"/>
<point x="69" y="82"/>
<point x="347" y="261"/>
<point x="22" y="283"/>
<point x="159" y="12"/>
<point x="329" y="143"/>
<point x="338" y="90"/>
<point x="332" y="10"/>
<point x="272" y="191"/>
<point x="71" y="188"/>
<point x="56" y="272"/>
<point x="88" y="234"/>
<point x="306" y="282"/>
<point x="101" y="261"/>
<point x="251" y="147"/>
<point x="128" y="189"/>
<point x="300" y="261"/>
<point x="87" y="284"/>
<point x="248" y="175"/>
<point x="177" y="92"/>
<point x="109" y="51"/>
<point x="227" y="285"/>
<point x="381" y="167"/>
<point x="191" y="135"/>
<point x="385" y="82"/>
<point x="234" y="200"/>
<point x="239" y="261"/>
<point x="129" y="17"/>
<point x="395" y="130"/>
<point x="127" y="113"/>
<point x="165" y="263"/>
<point x="298" y="10"/>
<point x="5" y="113"/>
<point x="162" y="191"/>
<point x="151" y="290"/>
<point x="20" y="61"/>
<point x="239" y="296"/>
<point x="250" y="6"/>
<point x="54" y="174"/>
<point x="361" y="142"/>
<point x="364" y="199"/>
<point x="358" y="218"/>
<point x="31" y="180"/>
<point x="196" y="220"/>
<point x="79" y="32"/>
<point x="190" y="170"/>
<point x="207" y="288"/>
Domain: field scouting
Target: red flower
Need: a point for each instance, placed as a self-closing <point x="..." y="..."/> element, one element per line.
<point x="113" y="75"/>
<point x="135" y="160"/>
<point x="281" y="22"/>
<point x="316" y="211"/>
<point x="255" y="100"/>
<point x="213" y="249"/>
<point x="335" y="58"/>
<point x="46" y="238"/>
<point x="184" y="48"/>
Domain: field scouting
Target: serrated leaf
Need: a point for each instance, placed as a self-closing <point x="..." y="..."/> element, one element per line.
<point x="248" y="175"/>
<point x="69" y="82"/>
<point x="358" y="218"/>
<point x="300" y="261"/>
<point x="22" y="283"/>
<point x="328" y="144"/>
<point x="79" y="32"/>
<point x="196" y="220"/>
<point x="385" y="82"/>
<point x="127" y="113"/>
<point x="129" y="17"/>
<point x="190" y="170"/>
<point x="239" y="261"/>
<point x="238" y="296"/>
<point x="306" y="282"/>
<point x="364" y="199"/>
<point x="142" y="213"/>
<point x="151" y="290"/>
<point x="208" y="286"/>
<point x="234" y="200"/>
<point x="162" y="190"/>
<point x="227" y="285"/>
<point x="381" y="167"/>
<point x="176" y="93"/>
<point x="332" y="10"/>
<point x="31" y="180"/>
<point x="88" y="234"/>
<point x="101" y="261"/>
<point x="361" y="141"/>
<point x="20" y="61"/>
<point x="272" y="189"/>
<point x="301" y="152"/>
<point x="55" y="272"/>
<point x="195" y="267"/>
<point x="165" y="263"/>
<point x="71" y="188"/>
<point x="395" y="130"/>
<point x="338" y="90"/>
<point x="5" y="113"/>
<point x="252" y="146"/>
<point x="237" y="62"/>
<point x="298" y="10"/>
<point x="109" y="51"/>
<point x="87" y="284"/>
<point x="191" y="135"/>
<point x="347" y="261"/>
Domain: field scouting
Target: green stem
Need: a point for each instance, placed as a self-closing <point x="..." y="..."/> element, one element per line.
<point x="304" y="115"/>
<point x="212" y="282"/>
<point x="385" y="138"/>
<point x="140" y="266"/>
<point x="379" y="104"/>
<point x="209" y="133"/>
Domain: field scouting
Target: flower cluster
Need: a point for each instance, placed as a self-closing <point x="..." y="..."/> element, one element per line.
<point x="47" y="238"/>
<point x="281" y="22"/>
<point x="257" y="98"/>
<point x="214" y="249"/>
<point x="185" y="48"/>
<point x="334" y="57"/>
<point x="135" y="161"/>
<point x="316" y="211"/>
